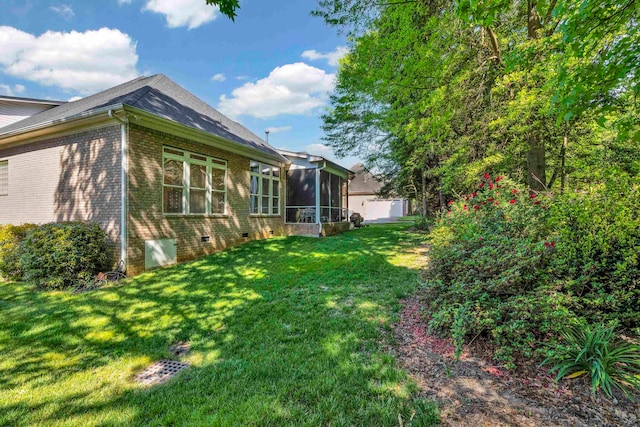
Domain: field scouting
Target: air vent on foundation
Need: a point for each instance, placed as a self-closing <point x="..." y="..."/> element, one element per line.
<point x="205" y="239"/>
<point x="270" y="231"/>
<point x="245" y="234"/>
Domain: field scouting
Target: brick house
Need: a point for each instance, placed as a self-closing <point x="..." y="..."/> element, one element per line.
<point x="168" y="177"/>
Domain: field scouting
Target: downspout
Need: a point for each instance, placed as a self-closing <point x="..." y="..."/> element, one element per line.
<point x="318" y="198"/>
<point x="124" y="166"/>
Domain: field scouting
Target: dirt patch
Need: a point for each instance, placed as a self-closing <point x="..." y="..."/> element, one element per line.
<point x="475" y="392"/>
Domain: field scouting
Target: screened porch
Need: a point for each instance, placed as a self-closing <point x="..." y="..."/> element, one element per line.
<point x="316" y="196"/>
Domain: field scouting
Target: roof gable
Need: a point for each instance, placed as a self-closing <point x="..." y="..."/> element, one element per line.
<point x="160" y="96"/>
<point x="363" y="182"/>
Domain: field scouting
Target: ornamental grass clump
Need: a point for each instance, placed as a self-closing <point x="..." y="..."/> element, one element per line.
<point x="597" y="353"/>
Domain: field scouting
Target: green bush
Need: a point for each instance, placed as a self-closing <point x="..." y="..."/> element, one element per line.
<point x="62" y="255"/>
<point x="596" y="352"/>
<point x="422" y="223"/>
<point x="598" y="229"/>
<point x="517" y="266"/>
<point x="488" y="270"/>
<point x="11" y="237"/>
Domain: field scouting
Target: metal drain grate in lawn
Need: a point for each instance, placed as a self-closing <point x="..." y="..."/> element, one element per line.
<point x="160" y="371"/>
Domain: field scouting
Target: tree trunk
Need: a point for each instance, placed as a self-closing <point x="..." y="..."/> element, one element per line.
<point x="533" y="20"/>
<point x="443" y="201"/>
<point x="536" y="164"/>
<point x="563" y="159"/>
<point x="424" y="194"/>
<point x="493" y="43"/>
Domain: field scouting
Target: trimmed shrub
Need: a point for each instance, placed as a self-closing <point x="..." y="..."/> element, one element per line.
<point x="11" y="237"/>
<point x="62" y="255"/>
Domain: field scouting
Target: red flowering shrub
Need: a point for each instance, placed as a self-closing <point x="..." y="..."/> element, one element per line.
<point x="488" y="271"/>
<point x="518" y="273"/>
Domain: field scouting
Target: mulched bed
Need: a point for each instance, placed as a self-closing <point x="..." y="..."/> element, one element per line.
<point x="476" y="392"/>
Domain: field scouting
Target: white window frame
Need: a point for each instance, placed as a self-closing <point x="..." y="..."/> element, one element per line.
<point x="5" y="165"/>
<point x="274" y="208"/>
<point x="189" y="158"/>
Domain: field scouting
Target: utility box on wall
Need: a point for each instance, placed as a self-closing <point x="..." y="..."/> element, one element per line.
<point x="158" y="253"/>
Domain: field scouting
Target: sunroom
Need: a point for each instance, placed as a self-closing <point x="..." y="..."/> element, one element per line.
<point x="316" y="195"/>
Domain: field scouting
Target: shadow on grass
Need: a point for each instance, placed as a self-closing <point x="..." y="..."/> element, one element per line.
<point x="283" y="331"/>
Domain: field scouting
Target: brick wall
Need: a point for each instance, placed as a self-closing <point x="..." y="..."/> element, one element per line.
<point x="302" y="229"/>
<point x="146" y="220"/>
<point x="68" y="178"/>
<point x="331" y="228"/>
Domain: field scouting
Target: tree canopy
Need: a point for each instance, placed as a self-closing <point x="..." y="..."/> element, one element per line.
<point x="227" y="7"/>
<point x="437" y="93"/>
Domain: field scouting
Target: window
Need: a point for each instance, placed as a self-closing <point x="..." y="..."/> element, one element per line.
<point x="193" y="183"/>
<point x="264" y="189"/>
<point x="4" y="177"/>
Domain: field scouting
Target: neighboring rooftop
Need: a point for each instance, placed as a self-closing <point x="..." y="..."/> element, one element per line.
<point x="157" y="95"/>
<point x="363" y="183"/>
<point x="30" y="100"/>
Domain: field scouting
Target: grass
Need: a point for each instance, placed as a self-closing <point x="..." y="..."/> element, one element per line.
<point x="409" y="218"/>
<point x="285" y="331"/>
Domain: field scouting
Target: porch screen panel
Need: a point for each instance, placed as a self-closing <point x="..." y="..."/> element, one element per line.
<point x="335" y="198"/>
<point x="301" y="193"/>
<point x="325" y="188"/>
<point x="301" y="187"/>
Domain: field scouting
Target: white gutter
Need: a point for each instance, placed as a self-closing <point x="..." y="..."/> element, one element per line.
<point x="124" y="168"/>
<point x="70" y="119"/>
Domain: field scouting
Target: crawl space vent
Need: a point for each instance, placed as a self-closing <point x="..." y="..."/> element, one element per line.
<point x="245" y="234"/>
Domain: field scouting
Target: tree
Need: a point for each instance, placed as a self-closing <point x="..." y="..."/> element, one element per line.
<point x="439" y="93"/>
<point x="227" y="7"/>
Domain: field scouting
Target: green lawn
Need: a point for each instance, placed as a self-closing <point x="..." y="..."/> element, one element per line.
<point x="284" y="331"/>
<point x="409" y="218"/>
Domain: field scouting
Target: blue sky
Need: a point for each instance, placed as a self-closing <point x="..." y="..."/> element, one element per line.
<point x="272" y="68"/>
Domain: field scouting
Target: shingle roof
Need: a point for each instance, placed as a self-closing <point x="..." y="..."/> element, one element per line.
<point x="363" y="182"/>
<point x="157" y="95"/>
<point x="30" y="100"/>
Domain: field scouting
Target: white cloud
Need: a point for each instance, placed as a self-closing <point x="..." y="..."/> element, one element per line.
<point x="278" y="129"/>
<point x="121" y="2"/>
<point x="183" y="13"/>
<point x="319" y="150"/>
<point x="64" y="11"/>
<point x="84" y="62"/>
<point x="290" y="89"/>
<point x="218" y="77"/>
<point x="8" y="90"/>
<point x="74" y="98"/>
<point x="333" y="58"/>
<point x="243" y="77"/>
